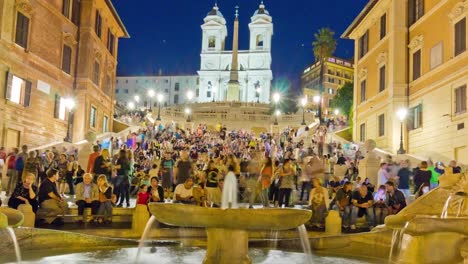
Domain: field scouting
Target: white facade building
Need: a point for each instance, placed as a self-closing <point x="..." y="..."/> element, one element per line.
<point x="254" y="65"/>
<point x="173" y="88"/>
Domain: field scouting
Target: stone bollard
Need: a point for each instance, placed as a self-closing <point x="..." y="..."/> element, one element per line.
<point x="333" y="223"/>
<point x="3" y="221"/>
<point x="29" y="215"/>
<point x="140" y="218"/>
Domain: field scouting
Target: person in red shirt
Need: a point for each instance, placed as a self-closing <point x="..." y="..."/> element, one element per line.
<point x="92" y="158"/>
<point x="143" y="195"/>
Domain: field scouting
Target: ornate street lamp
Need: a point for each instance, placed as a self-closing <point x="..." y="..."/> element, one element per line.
<point x="402" y="116"/>
<point x="150" y="95"/>
<point x="70" y="105"/>
<point x="160" y="98"/>
<point x="303" y="103"/>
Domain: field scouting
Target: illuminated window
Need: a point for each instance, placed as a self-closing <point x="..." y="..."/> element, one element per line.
<point x="259" y="41"/>
<point x="212" y="42"/>
<point x="18" y="90"/>
<point x="92" y="117"/>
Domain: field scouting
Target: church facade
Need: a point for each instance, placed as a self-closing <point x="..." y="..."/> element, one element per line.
<point x="253" y="67"/>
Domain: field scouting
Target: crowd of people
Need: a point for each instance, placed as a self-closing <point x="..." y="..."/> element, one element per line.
<point x="164" y="163"/>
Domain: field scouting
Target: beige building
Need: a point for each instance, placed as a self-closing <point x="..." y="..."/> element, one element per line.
<point x="418" y="62"/>
<point x="53" y="52"/>
<point x="336" y="73"/>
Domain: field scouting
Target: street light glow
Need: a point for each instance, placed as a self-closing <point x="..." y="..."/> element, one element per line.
<point x="189" y="95"/>
<point x="304" y="101"/>
<point x="131" y="105"/>
<point x="69" y="103"/>
<point x="316" y="99"/>
<point x="337" y="111"/>
<point x="160" y="97"/>
<point x="276" y="97"/>
<point x="402" y="114"/>
<point x="278" y="113"/>
<point x="187" y="110"/>
<point x="151" y="93"/>
<point x="137" y="98"/>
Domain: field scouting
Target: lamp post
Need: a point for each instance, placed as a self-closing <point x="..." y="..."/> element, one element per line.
<point x="131" y="105"/>
<point x="303" y="103"/>
<point x="137" y="100"/>
<point x="70" y="105"/>
<point x="257" y="91"/>
<point x="189" y="99"/>
<point x="402" y="116"/>
<point x="188" y="111"/>
<point x="276" y="99"/>
<point x="150" y="95"/>
<point x="277" y="113"/>
<point x="160" y="98"/>
<point x="337" y="112"/>
<point x="317" y="101"/>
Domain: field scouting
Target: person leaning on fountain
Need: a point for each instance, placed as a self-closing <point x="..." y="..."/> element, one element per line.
<point x="25" y="194"/>
<point x="87" y="195"/>
<point x="362" y="201"/>
<point x="51" y="203"/>
<point x="184" y="192"/>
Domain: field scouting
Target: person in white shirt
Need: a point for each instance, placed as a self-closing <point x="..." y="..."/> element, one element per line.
<point x="383" y="175"/>
<point x="184" y="192"/>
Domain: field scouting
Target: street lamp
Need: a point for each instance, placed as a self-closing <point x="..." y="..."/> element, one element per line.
<point x="131" y="105"/>
<point x="137" y="100"/>
<point x="150" y="95"/>
<point x="257" y="91"/>
<point x="317" y="101"/>
<point x="160" y="98"/>
<point x="277" y="113"/>
<point x="303" y="103"/>
<point x="70" y="105"/>
<point x="276" y="99"/>
<point x="189" y="95"/>
<point x="188" y="111"/>
<point x="337" y="112"/>
<point x="402" y="116"/>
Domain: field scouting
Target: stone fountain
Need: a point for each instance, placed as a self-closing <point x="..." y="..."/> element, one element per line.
<point x="10" y="218"/>
<point x="228" y="228"/>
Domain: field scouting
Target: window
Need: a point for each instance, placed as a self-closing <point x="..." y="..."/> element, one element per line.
<point x="330" y="90"/>
<point x="66" y="8"/>
<point x="75" y="12"/>
<point x="415" y="117"/>
<point x="208" y="94"/>
<point x="105" y="124"/>
<point x="362" y="132"/>
<point x="18" y="90"/>
<point x="364" y="44"/>
<point x="259" y="41"/>
<point x="60" y="107"/>
<point x="66" y="59"/>
<point x="126" y="81"/>
<point x="116" y="91"/>
<point x="330" y="71"/>
<point x="381" y="125"/>
<point x="176" y="99"/>
<point x="96" y="73"/>
<point x="108" y="85"/>
<point x="212" y="42"/>
<point x="197" y="92"/>
<point x="110" y="42"/>
<point x="22" y="30"/>
<point x="415" y="10"/>
<point x="126" y="91"/>
<point x="363" y="91"/>
<point x="437" y="55"/>
<point x="460" y="36"/>
<point x="460" y="100"/>
<point x="383" y="26"/>
<point x="166" y="90"/>
<point x="92" y="117"/>
<point x="166" y="81"/>
<point x="416" y="65"/>
<point x="176" y="87"/>
<point x="331" y="80"/>
<point x="339" y="82"/>
<point x="382" y="78"/>
<point x="145" y="103"/>
<point x="98" y="24"/>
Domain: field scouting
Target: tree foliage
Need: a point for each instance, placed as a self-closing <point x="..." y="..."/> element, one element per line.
<point x="343" y="100"/>
<point x="324" y="44"/>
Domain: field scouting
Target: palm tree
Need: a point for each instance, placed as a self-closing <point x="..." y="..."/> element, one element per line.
<point x="324" y="46"/>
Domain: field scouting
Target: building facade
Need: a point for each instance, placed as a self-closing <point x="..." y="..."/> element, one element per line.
<point x="53" y="52"/>
<point x="174" y="90"/>
<point x="417" y="62"/>
<point x="337" y="72"/>
<point x="254" y="65"/>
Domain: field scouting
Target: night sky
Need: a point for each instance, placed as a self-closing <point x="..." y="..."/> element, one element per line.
<point x="166" y="34"/>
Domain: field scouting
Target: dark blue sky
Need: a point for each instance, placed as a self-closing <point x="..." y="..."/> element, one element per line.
<point x="166" y="34"/>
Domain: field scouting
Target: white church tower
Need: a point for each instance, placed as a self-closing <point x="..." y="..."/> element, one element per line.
<point x="253" y="65"/>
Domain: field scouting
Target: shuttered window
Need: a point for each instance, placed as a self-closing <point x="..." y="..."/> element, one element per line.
<point x="382" y="78"/>
<point x="460" y="36"/>
<point x="110" y="42"/>
<point x="92" y="117"/>
<point x="460" y="100"/>
<point x="363" y="91"/>
<point x="415" y="10"/>
<point x="381" y="125"/>
<point x="416" y="65"/>
<point x="66" y="5"/>
<point x="18" y="90"/>
<point x="98" y="24"/>
<point x="22" y="30"/>
<point x="414" y="119"/>
<point x="383" y="26"/>
<point x="76" y="12"/>
<point x="364" y="44"/>
<point x="96" y="73"/>
<point x="66" y="59"/>
<point x="362" y="132"/>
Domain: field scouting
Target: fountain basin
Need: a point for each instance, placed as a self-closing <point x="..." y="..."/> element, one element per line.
<point x="227" y="229"/>
<point x="14" y="217"/>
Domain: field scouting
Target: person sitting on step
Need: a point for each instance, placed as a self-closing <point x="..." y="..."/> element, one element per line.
<point x="87" y="195"/>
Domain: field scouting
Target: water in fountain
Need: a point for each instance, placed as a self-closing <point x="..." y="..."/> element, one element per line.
<point x="144" y="236"/>
<point x="229" y="194"/>
<point x="15" y="244"/>
<point x="305" y="242"/>
<point x="460" y="207"/>
<point x="397" y="238"/>
<point x="446" y="206"/>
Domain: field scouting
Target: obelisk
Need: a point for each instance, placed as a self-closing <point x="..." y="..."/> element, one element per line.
<point x="233" y="85"/>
